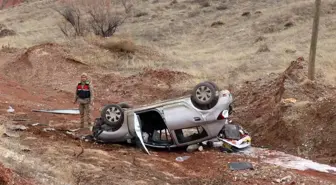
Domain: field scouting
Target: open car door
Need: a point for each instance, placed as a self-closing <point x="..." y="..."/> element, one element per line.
<point x="137" y="128"/>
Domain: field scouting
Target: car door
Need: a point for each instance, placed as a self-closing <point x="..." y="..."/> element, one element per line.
<point x="137" y="128"/>
<point x="181" y="115"/>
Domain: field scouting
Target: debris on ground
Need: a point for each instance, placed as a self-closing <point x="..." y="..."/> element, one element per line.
<point x="183" y="158"/>
<point x="194" y="147"/>
<point x="284" y="179"/>
<point x="240" y="166"/>
<point x="48" y="129"/>
<point x="17" y="127"/>
<point x="59" y="111"/>
<point x="10" y="109"/>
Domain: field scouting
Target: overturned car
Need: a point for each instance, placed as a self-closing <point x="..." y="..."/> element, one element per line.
<point x="172" y="123"/>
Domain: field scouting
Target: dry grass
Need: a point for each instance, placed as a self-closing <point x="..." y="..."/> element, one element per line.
<point x="119" y="45"/>
<point x="179" y="36"/>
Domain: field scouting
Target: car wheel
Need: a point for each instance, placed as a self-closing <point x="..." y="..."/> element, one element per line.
<point x="213" y="84"/>
<point x="204" y="94"/>
<point x="113" y="115"/>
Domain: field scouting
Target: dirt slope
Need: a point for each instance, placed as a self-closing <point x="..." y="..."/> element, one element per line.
<point x="9" y="3"/>
<point x="305" y="127"/>
<point x="50" y="68"/>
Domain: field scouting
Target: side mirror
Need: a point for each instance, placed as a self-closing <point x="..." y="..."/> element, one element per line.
<point x="225" y="114"/>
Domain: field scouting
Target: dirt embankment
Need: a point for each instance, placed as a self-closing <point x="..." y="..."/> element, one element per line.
<point x="50" y="68"/>
<point x="290" y="113"/>
<point x="7" y="176"/>
<point x="9" y="3"/>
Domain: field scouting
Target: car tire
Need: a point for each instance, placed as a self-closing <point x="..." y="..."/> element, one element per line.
<point x="201" y="91"/>
<point x="113" y="115"/>
<point x="213" y="84"/>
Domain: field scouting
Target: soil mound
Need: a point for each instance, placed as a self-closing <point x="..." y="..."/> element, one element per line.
<point x="142" y="88"/>
<point x="45" y="65"/>
<point x="9" y="3"/>
<point x="7" y="177"/>
<point x="291" y="113"/>
<point x="49" y="67"/>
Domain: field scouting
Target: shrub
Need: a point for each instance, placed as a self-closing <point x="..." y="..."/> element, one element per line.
<point x="72" y="15"/>
<point x="103" y="21"/>
<point x="119" y="45"/>
<point x="99" y="17"/>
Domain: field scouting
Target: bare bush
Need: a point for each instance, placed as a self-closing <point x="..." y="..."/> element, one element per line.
<point x="100" y="17"/>
<point x="127" y="6"/>
<point x="73" y="20"/>
<point x="103" y="21"/>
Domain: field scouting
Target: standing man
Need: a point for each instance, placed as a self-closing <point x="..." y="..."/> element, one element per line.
<point x="84" y="96"/>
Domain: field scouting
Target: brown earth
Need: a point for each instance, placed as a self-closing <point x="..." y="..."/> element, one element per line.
<point x="9" y="3"/>
<point x="262" y="107"/>
<point x="7" y="176"/>
<point x="44" y="76"/>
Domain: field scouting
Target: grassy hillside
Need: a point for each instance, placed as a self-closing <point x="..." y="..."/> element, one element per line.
<point x="229" y="41"/>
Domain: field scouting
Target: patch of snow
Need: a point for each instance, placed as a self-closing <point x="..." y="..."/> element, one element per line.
<point x="287" y="161"/>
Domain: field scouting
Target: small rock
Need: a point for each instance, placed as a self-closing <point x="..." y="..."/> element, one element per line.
<point x="284" y="179"/>
<point x="192" y="148"/>
<point x="173" y="2"/>
<point x="260" y="38"/>
<point x="290" y="51"/>
<point x="246" y="14"/>
<point x="140" y="14"/>
<point x="217" y="23"/>
<point x="18" y="127"/>
<point x="221" y="7"/>
<point x="289" y="24"/>
<point x="263" y="48"/>
<point x="204" y="3"/>
<point x="35" y="124"/>
<point x="48" y="129"/>
<point x="26" y="150"/>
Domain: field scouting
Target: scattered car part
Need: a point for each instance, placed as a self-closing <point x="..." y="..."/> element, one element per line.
<point x="59" y="111"/>
<point x="181" y="159"/>
<point x="233" y="135"/>
<point x="10" y="109"/>
<point x="240" y="166"/>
